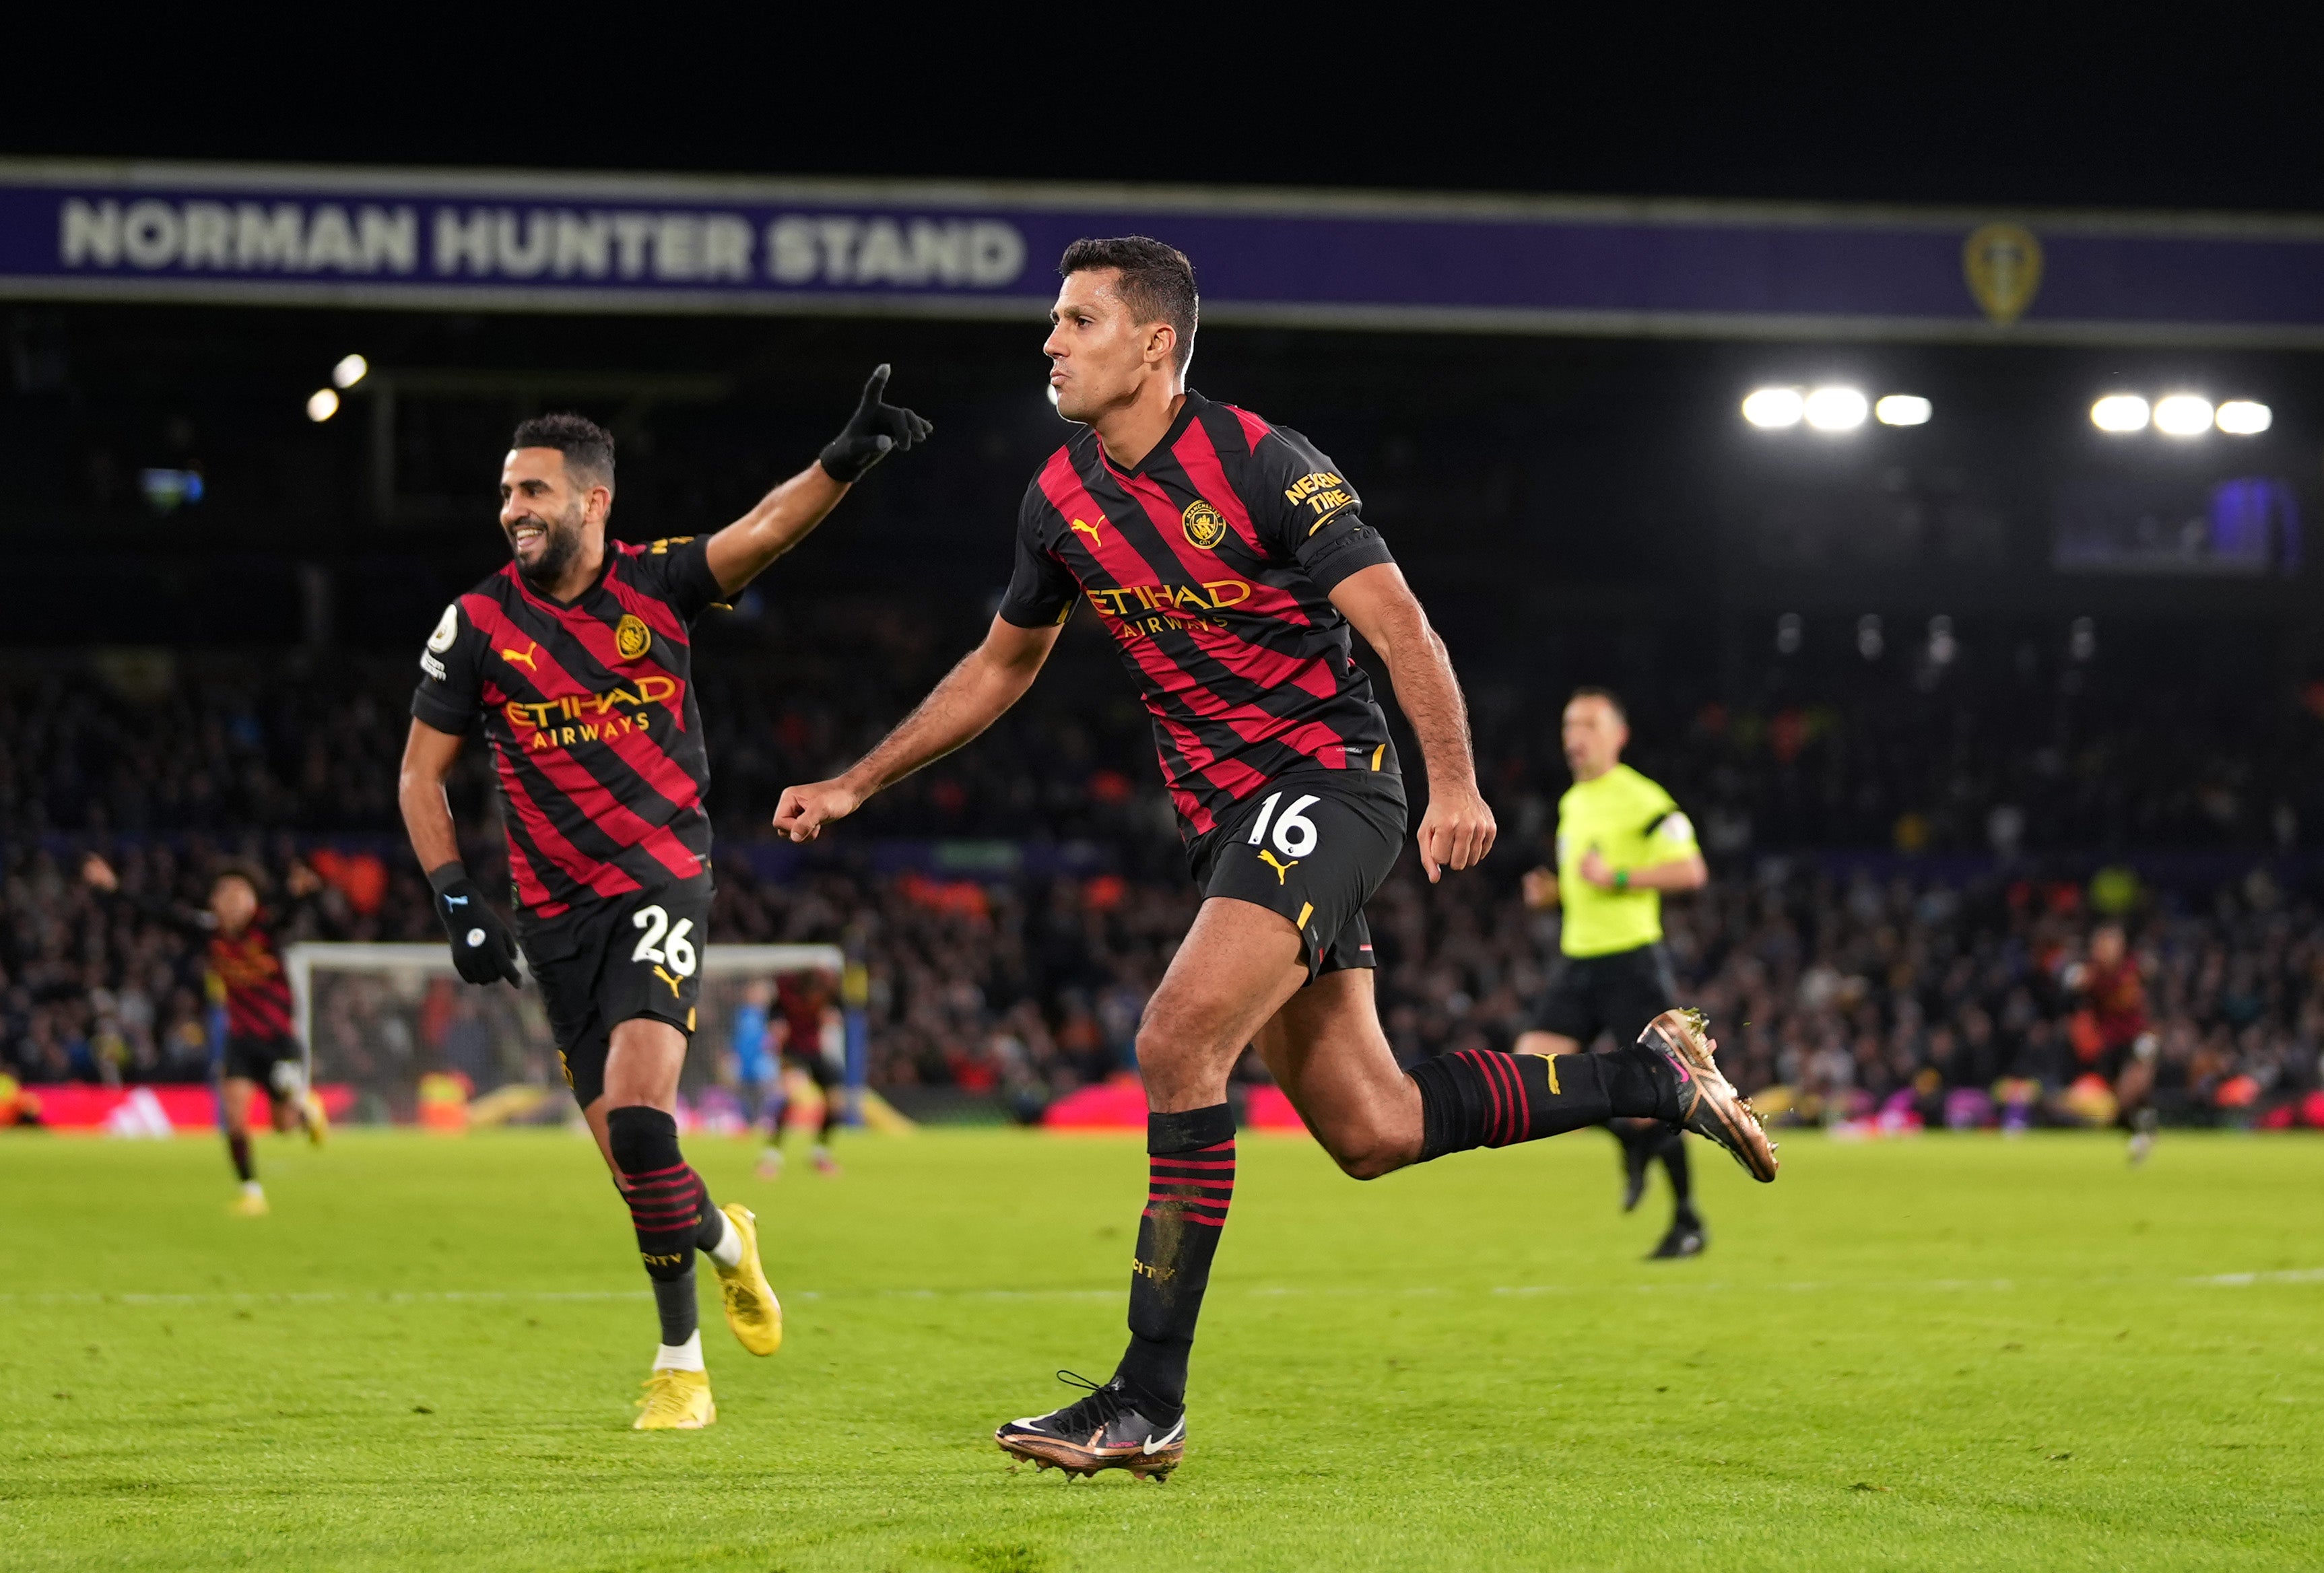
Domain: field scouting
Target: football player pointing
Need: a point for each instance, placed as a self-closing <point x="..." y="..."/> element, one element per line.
<point x="578" y="661"/>
<point x="1229" y="560"/>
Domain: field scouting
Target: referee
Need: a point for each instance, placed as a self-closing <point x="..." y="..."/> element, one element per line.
<point x="1621" y="842"/>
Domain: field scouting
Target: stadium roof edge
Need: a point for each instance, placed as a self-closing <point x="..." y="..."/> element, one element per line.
<point x="1038" y="196"/>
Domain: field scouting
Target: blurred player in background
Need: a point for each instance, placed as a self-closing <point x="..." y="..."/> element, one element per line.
<point x="1230" y="563"/>
<point x="757" y="1076"/>
<point x="807" y="1018"/>
<point x="577" y="658"/>
<point x="1621" y="842"/>
<point x="259" y="1049"/>
<point x="2118" y="1044"/>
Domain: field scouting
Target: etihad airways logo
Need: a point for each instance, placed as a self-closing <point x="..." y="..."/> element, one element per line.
<point x="1138" y="609"/>
<point x="588" y="718"/>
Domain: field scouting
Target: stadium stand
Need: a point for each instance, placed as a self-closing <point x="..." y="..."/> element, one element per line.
<point x="1017" y="903"/>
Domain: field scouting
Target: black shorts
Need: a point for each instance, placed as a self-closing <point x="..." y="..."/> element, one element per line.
<point x="605" y="962"/>
<point x="1312" y="847"/>
<point x="815" y="1065"/>
<point x="253" y="1059"/>
<point x="1619" y="994"/>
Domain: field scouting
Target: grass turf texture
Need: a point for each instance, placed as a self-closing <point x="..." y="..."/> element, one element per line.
<point x="1953" y="1352"/>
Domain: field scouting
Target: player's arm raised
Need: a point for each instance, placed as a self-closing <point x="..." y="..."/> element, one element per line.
<point x="741" y="552"/>
<point x="1458" y="829"/>
<point x="972" y="696"/>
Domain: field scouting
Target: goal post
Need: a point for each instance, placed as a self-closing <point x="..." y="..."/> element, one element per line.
<point x="381" y="1016"/>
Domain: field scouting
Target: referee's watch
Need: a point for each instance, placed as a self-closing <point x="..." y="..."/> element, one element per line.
<point x="1621" y="878"/>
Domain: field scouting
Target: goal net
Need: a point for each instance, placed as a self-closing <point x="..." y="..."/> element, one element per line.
<point x="395" y="1024"/>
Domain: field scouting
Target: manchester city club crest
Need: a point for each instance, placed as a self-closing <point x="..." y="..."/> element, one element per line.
<point x="631" y="637"/>
<point x="1206" y="527"/>
<point x="2004" y="266"/>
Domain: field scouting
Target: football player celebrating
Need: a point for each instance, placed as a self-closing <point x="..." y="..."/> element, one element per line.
<point x="576" y="657"/>
<point x="1230" y="562"/>
<point x="238" y="930"/>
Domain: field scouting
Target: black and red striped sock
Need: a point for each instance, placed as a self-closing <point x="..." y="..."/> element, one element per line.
<point x="1476" y="1098"/>
<point x="669" y="1206"/>
<point x="1190" y="1183"/>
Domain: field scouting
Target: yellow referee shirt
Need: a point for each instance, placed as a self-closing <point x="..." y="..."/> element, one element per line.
<point x="1634" y="824"/>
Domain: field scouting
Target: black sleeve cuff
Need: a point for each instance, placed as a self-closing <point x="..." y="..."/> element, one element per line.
<point x="443" y="717"/>
<point x="1352" y="555"/>
<point x="701" y="588"/>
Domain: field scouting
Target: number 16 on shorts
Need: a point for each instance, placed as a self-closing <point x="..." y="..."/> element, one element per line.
<point x="665" y="946"/>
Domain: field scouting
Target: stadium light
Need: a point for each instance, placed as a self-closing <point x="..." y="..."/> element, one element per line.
<point x="1835" y="408"/>
<point x="322" y="404"/>
<point x="350" y="370"/>
<point x="2182" y="414"/>
<point x="2120" y="412"/>
<point x="1942" y="646"/>
<point x="2244" y="418"/>
<point x="1869" y="641"/>
<point x="1902" y="410"/>
<point x="1773" y="406"/>
<point x="1790" y="634"/>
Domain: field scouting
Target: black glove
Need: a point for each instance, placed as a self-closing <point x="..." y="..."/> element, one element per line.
<point x="483" y="949"/>
<point x="874" y="428"/>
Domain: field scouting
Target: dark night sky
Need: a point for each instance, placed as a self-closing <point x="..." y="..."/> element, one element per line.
<point x="2031" y="105"/>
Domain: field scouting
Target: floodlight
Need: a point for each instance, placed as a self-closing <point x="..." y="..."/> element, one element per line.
<point x="1835" y="408"/>
<point x="322" y="404"/>
<point x="350" y="370"/>
<point x="2244" y="418"/>
<point x="2120" y="412"/>
<point x="2182" y="414"/>
<point x="1773" y="406"/>
<point x="1902" y="410"/>
<point x="1942" y="646"/>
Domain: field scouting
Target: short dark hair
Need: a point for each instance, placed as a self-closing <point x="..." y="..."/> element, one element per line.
<point x="585" y="445"/>
<point x="243" y="869"/>
<point x="1613" y="701"/>
<point x="1157" y="283"/>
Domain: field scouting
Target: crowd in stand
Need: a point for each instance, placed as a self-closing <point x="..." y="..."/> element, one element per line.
<point x="1922" y="990"/>
<point x="1854" y="996"/>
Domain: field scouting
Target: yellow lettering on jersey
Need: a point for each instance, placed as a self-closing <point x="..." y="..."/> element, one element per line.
<point x="1307" y="485"/>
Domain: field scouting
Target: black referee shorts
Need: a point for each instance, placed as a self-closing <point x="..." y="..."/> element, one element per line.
<point x="1619" y="993"/>
<point x="1314" y="848"/>
<point x="603" y="962"/>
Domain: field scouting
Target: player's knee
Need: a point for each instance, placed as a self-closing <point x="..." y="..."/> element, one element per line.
<point x="642" y="1140"/>
<point x="1162" y="1048"/>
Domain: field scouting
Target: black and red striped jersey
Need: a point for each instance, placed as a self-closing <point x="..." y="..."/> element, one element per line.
<point x="246" y="966"/>
<point x="1211" y="565"/>
<point x="249" y="970"/>
<point x="590" y="711"/>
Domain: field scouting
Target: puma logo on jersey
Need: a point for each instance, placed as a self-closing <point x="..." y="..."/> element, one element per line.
<point x="1282" y="870"/>
<point x="526" y="658"/>
<point x="1090" y="529"/>
<point x="668" y="980"/>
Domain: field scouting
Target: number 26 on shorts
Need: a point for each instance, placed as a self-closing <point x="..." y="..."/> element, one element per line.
<point x="662" y="945"/>
<point x="1295" y="833"/>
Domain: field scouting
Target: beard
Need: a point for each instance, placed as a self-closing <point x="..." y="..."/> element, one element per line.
<point x="557" y="554"/>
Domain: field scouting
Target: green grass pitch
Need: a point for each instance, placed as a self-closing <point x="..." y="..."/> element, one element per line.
<point x="1954" y="1352"/>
